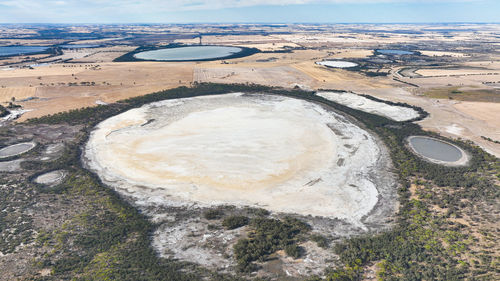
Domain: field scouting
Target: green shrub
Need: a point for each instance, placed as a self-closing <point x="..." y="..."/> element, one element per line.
<point x="294" y="251"/>
<point x="268" y="236"/>
<point x="3" y="111"/>
<point x="213" y="214"/>
<point x="320" y="240"/>
<point x="258" y="212"/>
<point x="234" y="222"/>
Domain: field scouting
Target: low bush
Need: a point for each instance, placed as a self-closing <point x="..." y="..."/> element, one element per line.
<point x="213" y="214"/>
<point x="234" y="222"/>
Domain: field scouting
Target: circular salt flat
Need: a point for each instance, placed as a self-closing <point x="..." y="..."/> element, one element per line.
<point x="282" y="154"/>
<point x="188" y="53"/>
<point x="51" y="178"/>
<point x="16" y="149"/>
<point x="337" y="63"/>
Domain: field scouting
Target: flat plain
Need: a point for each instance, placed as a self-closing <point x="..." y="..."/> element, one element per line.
<point x="287" y="60"/>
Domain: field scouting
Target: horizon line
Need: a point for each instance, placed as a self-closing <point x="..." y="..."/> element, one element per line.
<point x="259" y="23"/>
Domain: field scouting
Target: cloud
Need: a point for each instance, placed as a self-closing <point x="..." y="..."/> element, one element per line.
<point x="60" y="3"/>
<point x="173" y="5"/>
<point x="189" y="10"/>
<point x="183" y="5"/>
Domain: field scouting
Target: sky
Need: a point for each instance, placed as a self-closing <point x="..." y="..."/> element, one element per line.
<point x="249" y="11"/>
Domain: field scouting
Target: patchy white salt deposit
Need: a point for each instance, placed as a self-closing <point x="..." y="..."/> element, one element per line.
<point x="454" y="129"/>
<point x="282" y="154"/>
<point x="397" y="113"/>
<point x="11" y="166"/>
<point x="100" y="102"/>
<point x="13" y="115"/>
<point x="337" y="63"/>
<point x="51" y="178"/>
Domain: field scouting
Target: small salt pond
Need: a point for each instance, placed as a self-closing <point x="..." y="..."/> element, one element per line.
<point x="51" y="178"/>
<point x="337" y="63"/>
<point x="21" y="50"/>
<point x="16" y="149"/>
<point x="394" y="52"/>
<point x="189" y="53"/>
<point x="437" y="151"/>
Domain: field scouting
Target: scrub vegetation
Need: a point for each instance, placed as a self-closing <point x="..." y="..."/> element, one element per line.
<point x="234" y="222"/>
<point x="267" y="236"/>
<point x="3" y="111"/>
<point x="446" y="228"/>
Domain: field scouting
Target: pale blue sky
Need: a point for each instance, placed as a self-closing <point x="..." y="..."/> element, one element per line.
<point x="257" y="11"/>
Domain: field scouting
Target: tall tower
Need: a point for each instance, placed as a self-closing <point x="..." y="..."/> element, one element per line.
<point x="200" y="39"/>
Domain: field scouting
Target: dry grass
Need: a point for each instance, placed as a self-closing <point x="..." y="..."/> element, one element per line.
<point x="283" y="76"/>
<point x="18" y="93"/>
<point x="339" y="79"/>
<point x="457" y="93"/>
<point x="455" y="72"/>
<point x="112" y="82"/>
<point x="351" y="53"/>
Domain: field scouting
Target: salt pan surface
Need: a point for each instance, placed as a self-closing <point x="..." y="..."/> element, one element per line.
<point x="337" y="63"/>
<point x="397" y="113"/>
<point x="282" y="154"/>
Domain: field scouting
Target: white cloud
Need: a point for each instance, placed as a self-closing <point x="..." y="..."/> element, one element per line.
<point x="161" y="10"/>
<point x="176" y="5"/>
<point x="219" y="4"/>
<point x="60" y="3"/>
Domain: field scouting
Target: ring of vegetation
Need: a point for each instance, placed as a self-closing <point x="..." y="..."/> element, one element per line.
<point x="236" y="52"/>
<point x="241" y="149"/>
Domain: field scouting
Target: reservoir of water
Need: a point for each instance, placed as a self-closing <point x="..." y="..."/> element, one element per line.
<point x="21" y="50"/>
<point x="435" y="149"/>
<point x="394" y="52"/>
<point x="189" y="53"/>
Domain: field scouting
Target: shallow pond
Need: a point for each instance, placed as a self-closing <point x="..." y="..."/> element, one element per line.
<point x="394" y="52"/>
<point x="188" y="53"/>
<point x="21" y="50"/>
<point x="435" y="149"/>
